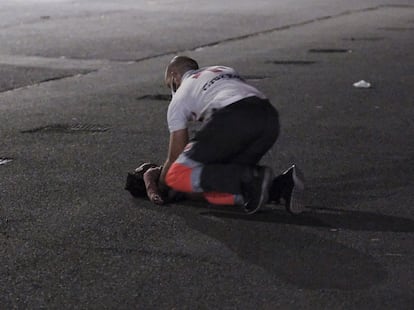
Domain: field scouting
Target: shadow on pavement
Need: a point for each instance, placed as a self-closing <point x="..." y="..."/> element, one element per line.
<point x="329" y="218"/>
<point x="292" y="255"/>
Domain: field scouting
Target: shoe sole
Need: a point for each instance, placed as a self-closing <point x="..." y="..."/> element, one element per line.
<point x="264" y="194"/>
<point x="297" y="204"/>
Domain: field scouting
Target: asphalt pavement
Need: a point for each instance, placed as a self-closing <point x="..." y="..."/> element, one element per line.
<point x="82" y="102"/>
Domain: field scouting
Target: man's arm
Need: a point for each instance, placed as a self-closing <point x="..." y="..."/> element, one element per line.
<point x="178" y="140"/>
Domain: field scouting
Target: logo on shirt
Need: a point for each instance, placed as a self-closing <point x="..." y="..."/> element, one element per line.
<point x="214" y="70"/>
<point x="227" y="76"/>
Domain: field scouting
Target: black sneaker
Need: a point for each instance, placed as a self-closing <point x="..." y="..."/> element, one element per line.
<point x="293" y="192"/>
<point x="257" y="191"/>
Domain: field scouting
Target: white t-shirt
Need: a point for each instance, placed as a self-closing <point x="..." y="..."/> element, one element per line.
<point x="205" y="90"/>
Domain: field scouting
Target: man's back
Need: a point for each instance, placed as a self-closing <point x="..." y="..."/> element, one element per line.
<point x="205" y="90"/>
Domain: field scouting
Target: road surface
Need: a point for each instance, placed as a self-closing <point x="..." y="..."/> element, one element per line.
<point x="82" y="102"/>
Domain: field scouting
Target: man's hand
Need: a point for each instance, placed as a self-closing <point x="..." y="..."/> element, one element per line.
<point x="178" y="140"/>
<point x="151" y="177"/>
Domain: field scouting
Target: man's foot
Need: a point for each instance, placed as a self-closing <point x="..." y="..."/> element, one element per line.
<point x="293" y="191"/>
<point x="257" y="191"/>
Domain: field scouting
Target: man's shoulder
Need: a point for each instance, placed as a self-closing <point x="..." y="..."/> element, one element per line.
<point x="195" y="74"/>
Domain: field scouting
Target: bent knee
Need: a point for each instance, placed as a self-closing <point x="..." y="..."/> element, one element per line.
<point x="179" y="178"/>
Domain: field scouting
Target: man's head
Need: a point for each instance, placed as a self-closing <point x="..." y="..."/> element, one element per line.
<point x="176" y="69"/>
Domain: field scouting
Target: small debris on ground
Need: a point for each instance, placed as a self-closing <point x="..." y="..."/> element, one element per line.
<point x="362" y="84"/>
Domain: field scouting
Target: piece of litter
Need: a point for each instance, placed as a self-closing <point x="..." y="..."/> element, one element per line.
<point x="362" y="84"/>
<point x="4" y="161"/>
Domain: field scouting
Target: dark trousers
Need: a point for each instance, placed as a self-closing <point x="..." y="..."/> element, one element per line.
<point x="232" y="142"/>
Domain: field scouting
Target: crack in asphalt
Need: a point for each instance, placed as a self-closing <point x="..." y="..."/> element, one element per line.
<point x="209" y="44"/>
<point x="47" y="18"/>
<point x="51" y="79"/>
<point x="279" y="28"/>
<point x="67" y="128"/>
<point x="235" y="38"/>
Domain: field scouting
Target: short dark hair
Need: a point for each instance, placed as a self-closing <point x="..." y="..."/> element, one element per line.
<point x="183" y="63"/>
